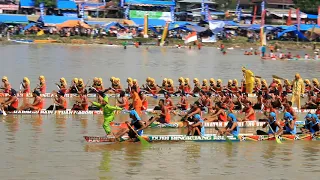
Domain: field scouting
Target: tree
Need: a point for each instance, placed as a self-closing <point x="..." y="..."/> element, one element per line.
<point x="307" y="6"/>
<point x="47" y="3"/>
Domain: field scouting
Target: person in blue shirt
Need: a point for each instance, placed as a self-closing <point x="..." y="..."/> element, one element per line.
<point x="197" y="128"/>
<point x="315" y="125"/>
<point x="307" y="124"/>
<point x="290" y="126"/>
<point x="274" y="126"/>
<point x="232" y="127"/>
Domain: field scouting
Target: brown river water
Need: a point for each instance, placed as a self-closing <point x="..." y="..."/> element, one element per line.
<point x="52" y="146"/>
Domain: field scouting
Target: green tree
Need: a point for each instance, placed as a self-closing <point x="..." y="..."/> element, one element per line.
<point x="47" y="3"/>
<point x="307" y="6"/>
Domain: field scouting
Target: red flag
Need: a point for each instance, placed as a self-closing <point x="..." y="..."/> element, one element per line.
<point x="319" y="16"/>
<point x="254" y="14"/>
<point x="289" y="18"/>
<point x="298" y="18"/>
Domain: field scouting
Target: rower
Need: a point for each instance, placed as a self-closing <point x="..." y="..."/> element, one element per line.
<point x="311" y="102"/>
<point x="6" y="85"/>
<point x="97" y="85"/>
<point x="307" y="124"/>
<point x="135" y="84"/>
<point x="208" y="102"/>
<point x="290" y="126"/>
<point x="183" y="103"/>
<point x="63" y="85"/>
<point x="232" y="127"/>
<point x="60" y="102"/>
<point x="136" y="123"/>
<point x="219" y="114"/>
<point x="136" y="101"/>
<point x="153" y="86"/>
<point x="12" y="103"/>
<point x="168" y="101"/>
<point x="164" y="83"/>
<point x="196" y="88"/>
<point x="117" y="85"/>
<point x="26" y="85"/>
<point x="186" y="87"/>
<point x="287" y="85"/>
<point x="234" y="86"/>
<point x="122" y="101"/>
<point x="257" y="85"/>
<point x="42" y="85"/>
<point x="170" y="87"/>
<point x="181" y="85"/>
<point x="197" y="128"/>
<point x="315" y="125"/>
<point x="219" y="86"/>
<point x="264" y="86"/>
<point x="229" y="84"/>
<point x="212" y="84"/>
<point x="165" y="113"/>
<point x="144" y="101"/>
<point x="250" y="114"/>
<point x="73" y="88"/>
<point x="316" y="85"/>
<point x="37" y="104"/>
<point x="82" y="102"/>
<point x="80" y="85"/>
<point x="130" y="84"/>
<point x="288" y="108"/>
<point x="307" y="85"/>
<point x="274" y="126"/>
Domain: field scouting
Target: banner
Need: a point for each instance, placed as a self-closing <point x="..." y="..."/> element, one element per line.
<point x="298" y="19"/>
<point x="254" y="14"/>
<point x="239" y="14"/>
<point x="126" y="12"/>
<point x="262" y="34"/>
<point x="124" y="36"/>
<point x="41" y="6"/>
<point x="151" y="15"/>
<point x="209" y="39"/>
<point x="202" y="7"/>
<point x="319" y="16"/>
<point x="289" y="21"/>
<point x="81" y="11"/>
<point x="172" y="13"/>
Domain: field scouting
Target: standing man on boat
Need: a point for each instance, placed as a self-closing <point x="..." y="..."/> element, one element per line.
<point x="108" y="111"/>
<point x="249" y="79"/>
<point x="297" y="90"/>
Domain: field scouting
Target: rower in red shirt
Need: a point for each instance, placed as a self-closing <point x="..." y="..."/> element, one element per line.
<point x="165" y="113"/>
<point x="122" y="101"/>
<point x="6" y="85"/>
<point x="60" y="102"/>
<point x="12" y="103"/>
<point x="26" y="85"/>
<point x="37" y="104"/>
<point x="42" y="85"/>
<point x="218" y="115"/>
<point x="168" y="102"/>
<point x="144" y="101"/>
<point x="183" y="104"/>
<point x="250" y="114"/>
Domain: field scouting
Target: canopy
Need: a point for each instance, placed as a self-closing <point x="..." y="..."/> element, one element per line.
<point x="129" y="22"/>
<point x="29" y="26"/>
<point x="151" y="22"/>
<point x="306" y="27"/>
<point x="73" y="23"/>
<point x="13" y="19"/>
<point x="311" y="16"/>
<point x="53" y="20"/>
<point x="27" y="3"/>
<point x="66" y="5"/>
<point x="293" y="30"/>
<point x="150" y="2"/>
<point x="108" y="26"/>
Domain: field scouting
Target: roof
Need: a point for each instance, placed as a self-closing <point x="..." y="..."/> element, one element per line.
<point x="150" y="2"/>
<point x="285" y="12"/>
<point x="280" y="2"/>
<point x="66" y="5"/>
<point x="53" y="20"/>
<point x="13" y="19"/>
<point x="27" y="3"/>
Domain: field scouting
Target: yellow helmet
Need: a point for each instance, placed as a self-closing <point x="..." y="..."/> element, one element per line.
<point x="27" y="80"/>
<point x="42" y="78"/>
<point x="5" y="78"/>
<point x="211" y="80"/>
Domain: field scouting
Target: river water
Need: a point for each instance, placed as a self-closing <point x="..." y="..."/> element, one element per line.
<point x="52" y="147"/>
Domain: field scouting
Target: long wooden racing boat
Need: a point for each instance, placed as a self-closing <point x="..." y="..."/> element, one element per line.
<point x="97" y="112"/>
<point x="70" y="95"/>
<point x="209" y="138"/>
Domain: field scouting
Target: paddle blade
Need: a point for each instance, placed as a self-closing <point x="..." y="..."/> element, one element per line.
<point x="143" y="141"/>
<point x="278" y="140"/>
<point x="155" y="96"/>
<point x="277" y="77"/>
<point x="228" y="140"/>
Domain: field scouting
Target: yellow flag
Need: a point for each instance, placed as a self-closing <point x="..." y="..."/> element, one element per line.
<point x="40" y="33"/>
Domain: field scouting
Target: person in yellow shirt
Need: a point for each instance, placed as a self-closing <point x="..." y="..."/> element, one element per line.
<point x="249" y="79"/>
<point x="297" y="90"/>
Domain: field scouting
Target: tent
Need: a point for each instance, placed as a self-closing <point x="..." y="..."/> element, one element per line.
<point x="292" y="30"/>
<point x="108" y="26"/>
<point x="13" y="19"/>
<point x="73" y="23"/>
<point x="54" y="20"/>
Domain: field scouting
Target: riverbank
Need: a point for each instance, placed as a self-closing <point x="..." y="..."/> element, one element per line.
<point x="237" y="42"/>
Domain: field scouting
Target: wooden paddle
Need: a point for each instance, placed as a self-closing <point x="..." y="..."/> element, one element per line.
<point x="225" y="136"/>
<point x="277" y="77"/>
<point x="277" y="139"/>
<point x="143" y="141"/>
<point x="153" y="94"/>
<point x="258" y="77"/>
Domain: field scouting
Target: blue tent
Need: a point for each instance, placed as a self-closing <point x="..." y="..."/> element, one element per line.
<point x="113" y="24"/>
<point x="66" y="5"/>
<point x="294" y="30"/>
<point x="29" y="26"/>
<point x="151" y="2"/>
<point x="27" y="3"/>
<point x="311" y="16"/>
<point x="13" y="19"/>
<point x="53" y="20"/>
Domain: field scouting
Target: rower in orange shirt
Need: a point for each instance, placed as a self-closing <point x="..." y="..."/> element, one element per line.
<point x="122" y="101"/>
<point x="250" y="114"/>
<point x="42" y="85"/>
<point x="168" y="102"/>
<point x="37" y="104"/>
<point x="144" y="101"/>
<point x="136" y="101"/>
<point x="26" y="85"/>
<point x="6" y="85"/>
<point x="12" y="103"/>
